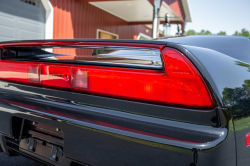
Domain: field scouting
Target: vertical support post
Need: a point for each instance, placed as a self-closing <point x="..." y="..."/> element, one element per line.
<point x="156" y="20"/>
<point x="183" y="29"/>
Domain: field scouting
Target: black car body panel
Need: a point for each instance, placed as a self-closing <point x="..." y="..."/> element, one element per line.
<point x="137" y="133"/>
<point x="81" y="136"/>
<point x="230" y="76"/>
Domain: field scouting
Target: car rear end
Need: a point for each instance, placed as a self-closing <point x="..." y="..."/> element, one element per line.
<point x="111" y="102"/>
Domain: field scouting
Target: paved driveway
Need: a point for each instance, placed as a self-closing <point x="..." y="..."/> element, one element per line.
<point x="17" y="161"/>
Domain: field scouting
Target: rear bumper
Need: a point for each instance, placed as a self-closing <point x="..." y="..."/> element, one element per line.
<point x="129" y="133"/>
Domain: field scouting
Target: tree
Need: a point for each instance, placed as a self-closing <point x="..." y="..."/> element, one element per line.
<point x="203" y="32"/>
<point x="243" y="32"/>
<point x="190" y="32"/>
<point x="236" y="33"/>
<point x="239" y="63"/>
<point x="222" y="33"/>
<point x="208" y="33"/>
<point x="238" y="98"/>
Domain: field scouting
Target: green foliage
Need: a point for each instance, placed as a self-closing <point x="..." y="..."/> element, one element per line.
<point x="238" y="99"/>
<point x="243" y="65"/>
<point x="222" y="33"/>
<point x="190" y="32"/>
<point x="236" y="33"/>
<point x="203" y="32"/>
<point x="242" y="124"/>
<point x="243" y="32"/>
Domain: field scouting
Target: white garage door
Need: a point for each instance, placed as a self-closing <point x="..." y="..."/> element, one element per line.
<point x="21" y="20"/>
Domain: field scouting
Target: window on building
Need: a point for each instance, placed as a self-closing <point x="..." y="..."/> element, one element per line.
<point x="106" y="35"/>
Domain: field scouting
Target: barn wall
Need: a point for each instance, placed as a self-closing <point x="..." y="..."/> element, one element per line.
<point x="73" y="19"/>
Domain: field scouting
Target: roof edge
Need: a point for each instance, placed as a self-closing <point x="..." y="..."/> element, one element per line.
<point x="186" y="10"/>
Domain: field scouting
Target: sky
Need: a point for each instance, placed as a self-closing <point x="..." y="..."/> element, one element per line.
<point x="217" y="15"/>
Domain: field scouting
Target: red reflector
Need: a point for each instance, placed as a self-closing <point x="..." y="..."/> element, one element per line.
<point x="80" y="78"/>
<point x="33" y="73"/>
<point x="248" y="139"/>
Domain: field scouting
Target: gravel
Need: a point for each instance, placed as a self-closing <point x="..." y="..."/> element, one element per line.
<point x="17" y="161"/>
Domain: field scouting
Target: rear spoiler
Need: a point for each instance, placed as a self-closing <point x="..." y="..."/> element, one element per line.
<point x="18" y="42"/>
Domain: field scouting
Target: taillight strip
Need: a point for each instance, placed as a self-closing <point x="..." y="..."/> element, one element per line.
<point x="179" y="84"/>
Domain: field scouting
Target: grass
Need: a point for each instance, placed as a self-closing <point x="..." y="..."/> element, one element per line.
<point x="242" y="124"/>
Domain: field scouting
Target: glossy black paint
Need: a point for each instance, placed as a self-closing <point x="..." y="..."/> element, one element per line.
<point x="96" y="141"/>
<point x="126" y="141"/>
<point x="231" y="79"/>
<point x="234" y="46"/>
<point x="178" y="130"/>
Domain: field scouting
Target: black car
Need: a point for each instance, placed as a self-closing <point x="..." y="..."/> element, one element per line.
<point x="175" y="101"/>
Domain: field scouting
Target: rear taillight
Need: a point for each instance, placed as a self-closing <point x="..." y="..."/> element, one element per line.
<point x="248" y="140"/>
<point x="178" y="84"/>
<point x="184" y="84"/>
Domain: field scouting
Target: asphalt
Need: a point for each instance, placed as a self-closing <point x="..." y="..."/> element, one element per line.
<point x="16" y="161"/>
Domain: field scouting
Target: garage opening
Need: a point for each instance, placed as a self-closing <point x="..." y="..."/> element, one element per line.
<point x="22" y="20"/>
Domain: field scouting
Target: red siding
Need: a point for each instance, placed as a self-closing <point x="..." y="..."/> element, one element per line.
<point x="81" y="20"/>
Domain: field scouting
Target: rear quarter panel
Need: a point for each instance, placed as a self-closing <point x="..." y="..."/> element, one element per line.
<point x="230" y="80"/>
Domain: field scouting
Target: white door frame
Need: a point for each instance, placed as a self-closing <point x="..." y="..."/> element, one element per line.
<point x="143" y="35"/>
<point x="49" y="17"/>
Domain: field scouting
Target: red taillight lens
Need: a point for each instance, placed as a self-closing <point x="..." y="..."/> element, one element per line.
<point x="57" y="76"/>
<point x="24" y="72"/>
<point x="248" y="139"/>
<point x="178" y="84"/>
<point x="184" y="84"/>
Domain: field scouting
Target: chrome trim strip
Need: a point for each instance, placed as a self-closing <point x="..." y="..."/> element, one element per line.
<point x="201" y="146"/>
<point x="135" y="117"/>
